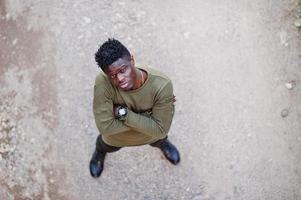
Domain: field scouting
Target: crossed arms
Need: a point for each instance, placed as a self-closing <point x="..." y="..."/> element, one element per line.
<point x="155" y="123"/>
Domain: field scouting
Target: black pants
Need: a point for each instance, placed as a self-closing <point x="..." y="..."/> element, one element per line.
<point x="105" y="148"/>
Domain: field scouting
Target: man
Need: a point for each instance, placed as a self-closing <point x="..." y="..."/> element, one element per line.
<point x="132" y="106"/>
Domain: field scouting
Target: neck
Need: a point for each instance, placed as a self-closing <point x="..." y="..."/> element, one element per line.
<point x="140" y="78"/>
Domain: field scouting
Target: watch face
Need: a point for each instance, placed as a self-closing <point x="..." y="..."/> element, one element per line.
<point x="121" y="111"/>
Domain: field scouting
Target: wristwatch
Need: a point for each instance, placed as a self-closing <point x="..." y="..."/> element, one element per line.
<point x="122" y="112"/>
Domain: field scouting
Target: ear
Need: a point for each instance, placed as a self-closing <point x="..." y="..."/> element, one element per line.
<point x="132" y="61"/>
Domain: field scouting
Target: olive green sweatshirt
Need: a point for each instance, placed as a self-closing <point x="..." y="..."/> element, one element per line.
<point x="150" y="110"/>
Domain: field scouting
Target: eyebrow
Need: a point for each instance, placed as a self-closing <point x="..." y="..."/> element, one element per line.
<point x="121" y="67"/>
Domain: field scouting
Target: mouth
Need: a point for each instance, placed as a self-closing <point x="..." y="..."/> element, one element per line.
<point x="124" y="85"/>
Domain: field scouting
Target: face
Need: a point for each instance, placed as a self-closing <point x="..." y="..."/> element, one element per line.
<point x="122" y="73"/>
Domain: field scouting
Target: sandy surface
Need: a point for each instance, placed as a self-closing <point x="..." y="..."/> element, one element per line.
<point x="236" y="72"/>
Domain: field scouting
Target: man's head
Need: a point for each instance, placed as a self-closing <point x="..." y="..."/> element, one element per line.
<point x="117" y="63"/>
<point x="109" y="52"/>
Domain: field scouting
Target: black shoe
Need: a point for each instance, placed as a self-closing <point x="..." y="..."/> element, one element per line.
<point x="96" y="163"/>
<point x="170" y="152"/>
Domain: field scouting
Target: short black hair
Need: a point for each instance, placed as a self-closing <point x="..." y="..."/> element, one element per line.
<point x="109" y="52"/>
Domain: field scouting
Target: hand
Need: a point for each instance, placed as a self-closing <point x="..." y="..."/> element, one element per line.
<point x="115" y="110"/>
<point x="147" y="113"/>
<point x="174" y="98"/>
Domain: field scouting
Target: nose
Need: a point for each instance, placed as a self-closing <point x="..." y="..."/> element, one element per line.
<point x="120" y="77"/>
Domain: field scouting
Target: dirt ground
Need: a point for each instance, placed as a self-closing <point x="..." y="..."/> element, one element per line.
<point x="235" y="66"/>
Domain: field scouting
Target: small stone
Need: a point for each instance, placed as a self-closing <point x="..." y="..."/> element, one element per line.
<point x="3" y="135"/>
<point x="29" y="27"/>
<point x="4" y="148"/>
<point x="15" y="41"/>
<point x="7" y="16"/>
<point x="283" y="38"/>
<point x="298" y="23"/>
<point x="200" y="197"/>
<point x="284" y="113"/>
<point x="289" y="85"/>
<point x="186" y="35"/>
<point x="87" y="20"/>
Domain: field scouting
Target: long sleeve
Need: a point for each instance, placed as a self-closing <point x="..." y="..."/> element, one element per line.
<point x="103" y="111"/>
<point x="162" y="113"/>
